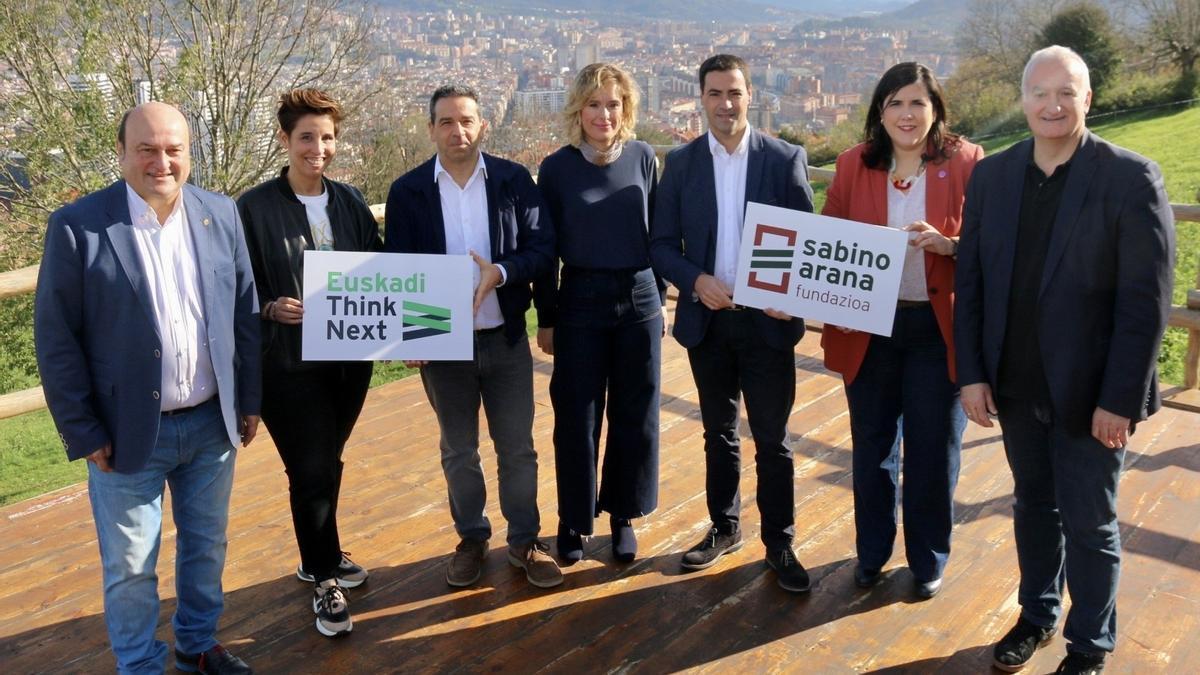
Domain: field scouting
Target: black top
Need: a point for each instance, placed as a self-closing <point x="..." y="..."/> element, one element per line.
<point x="1022" y="373"/>
<point x="278" y="233"/>
<point x="601" y="213"/>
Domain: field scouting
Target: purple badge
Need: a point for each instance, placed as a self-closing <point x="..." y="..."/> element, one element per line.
<point x="942" y="173"/>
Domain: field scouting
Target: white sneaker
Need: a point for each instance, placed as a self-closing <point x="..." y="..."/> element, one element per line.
<point x="332" y="608"/>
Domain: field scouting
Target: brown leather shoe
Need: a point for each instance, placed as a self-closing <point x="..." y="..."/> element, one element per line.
<point x="534" y="558"/>
<point x="466" y="565"/>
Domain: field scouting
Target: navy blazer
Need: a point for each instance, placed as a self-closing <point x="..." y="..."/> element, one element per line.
<point x="521" y="232"/>
<point x="98" y="347"/>
<point x="1106" y="286"/>
<point x="683" y="232"/>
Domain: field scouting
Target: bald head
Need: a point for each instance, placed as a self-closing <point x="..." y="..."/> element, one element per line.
<point x="152" y="145"/>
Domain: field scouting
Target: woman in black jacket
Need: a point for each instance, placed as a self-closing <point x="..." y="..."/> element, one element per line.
<point x="309" y="407"/>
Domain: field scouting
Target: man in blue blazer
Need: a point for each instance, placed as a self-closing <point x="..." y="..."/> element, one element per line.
<point x="734" y="351"/>
<point x="463" y="201"/>
<point x="1063" y="289"/>
<point x="147" y="333"/>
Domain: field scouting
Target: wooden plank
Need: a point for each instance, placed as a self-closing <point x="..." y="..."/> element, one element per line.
<point x="21" y="402"/>
<point x="18" y="282"/>
<point x="1182" y="317"/>
<point x="1182" y="398"/>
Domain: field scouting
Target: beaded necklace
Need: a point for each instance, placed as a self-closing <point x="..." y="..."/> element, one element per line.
<point x="903" y="184"/>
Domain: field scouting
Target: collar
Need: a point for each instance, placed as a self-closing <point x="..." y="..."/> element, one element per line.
<point x="286" y="188"/>
<point x="144" y="217"/>
<point x="739" y="151"/>
<point x="438" y="169"/>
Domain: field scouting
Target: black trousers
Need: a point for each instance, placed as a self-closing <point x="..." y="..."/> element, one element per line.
<point x="310" y="414"/>
<point x="731" y="362"/>
<point x="607" y="350"/>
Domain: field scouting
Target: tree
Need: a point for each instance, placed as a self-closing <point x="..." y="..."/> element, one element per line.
<point x="1173" y="33"/>
<point x="75" y="66"/>
<point x="997" y="34"/>
<point x="1086" y="28"/>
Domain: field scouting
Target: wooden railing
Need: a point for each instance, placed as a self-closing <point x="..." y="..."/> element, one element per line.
<point x="18" y="282"/>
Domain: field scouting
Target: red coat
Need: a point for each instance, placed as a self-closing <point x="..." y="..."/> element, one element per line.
<point x="858" y="193"/>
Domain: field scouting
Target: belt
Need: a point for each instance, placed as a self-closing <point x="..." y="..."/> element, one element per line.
<point x="912" y="304"/>
<point x="183" y="411"/>
<point x="489" y="331"/>
<point x="736" y="308"/>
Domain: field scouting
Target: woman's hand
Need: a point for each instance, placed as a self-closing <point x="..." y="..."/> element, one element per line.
<point x="928" y="238"/>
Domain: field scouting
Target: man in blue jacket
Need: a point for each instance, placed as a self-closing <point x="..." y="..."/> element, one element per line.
<point x="147" y="333"/>
<point x="463" y="201"/>
<point x="734" y="351"/>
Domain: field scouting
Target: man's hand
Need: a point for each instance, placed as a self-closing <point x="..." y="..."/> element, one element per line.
<point x="545" y="340"/>
<point x="249" y="428"/>
<point x="100" y="458"/>
<point x="288" y="310"/>
<point x="713" y="292"/>
<point x="489" y="278"/>
<point x="978" y="404"/>
<point x="778" y="315"/>
<point x="1110" y="428"/>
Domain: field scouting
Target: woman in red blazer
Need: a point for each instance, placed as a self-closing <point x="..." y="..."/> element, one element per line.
<point x="910" y="173"/>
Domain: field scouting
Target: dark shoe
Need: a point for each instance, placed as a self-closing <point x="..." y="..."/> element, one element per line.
<point x="1017" y="646"/>
<point x="707" y="552"/>
<point x="790" y="573"/>
<point x="466" y="565"/>
<point x="624" y="541"/>
<point x="1078" y="663"/>
<point x="349" y="575"/>
<point x="927" y="589"/>
<point x="534" y="558"/>
<point x="332" y="608"/>
<point x="215" y="661"/>
<point x="866" y="577"/>
<point x="569" y="544"/>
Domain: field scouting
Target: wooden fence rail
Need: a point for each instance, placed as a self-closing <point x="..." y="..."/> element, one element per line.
<point x="24" y="280"/>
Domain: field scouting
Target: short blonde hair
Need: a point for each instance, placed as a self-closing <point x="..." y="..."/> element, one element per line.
<point x="590" y="79"/>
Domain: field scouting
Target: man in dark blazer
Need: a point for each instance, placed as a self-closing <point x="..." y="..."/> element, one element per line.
<point x="734" y="351"/>
<point x="463" y="201"/>
<point x="147" y="334"/>
<point x="1063" y="289"/>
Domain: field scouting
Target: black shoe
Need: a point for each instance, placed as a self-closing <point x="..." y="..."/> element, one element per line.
<point x="707" y="552"/>
<point x="789" y="572"/>
<point x="624" y="541"/>
<point x="866" y="577"/>
<point x="332" y="608"/>
<point x="349" y="574"/>
<point x="569" y="544"/>
<point x="1078" y="663"/>
<point x="215" y="661"/>
<point x="1017" y="646"/>
<point x="927" y="589"/>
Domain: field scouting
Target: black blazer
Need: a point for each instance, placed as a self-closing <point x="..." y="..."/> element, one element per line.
<point x="1106" y="287"/>
<point x="521" y="232"/>
<point x="683" y="232"/>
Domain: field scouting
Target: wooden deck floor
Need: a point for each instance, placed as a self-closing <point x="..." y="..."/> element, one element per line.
<point x="642" y="617"/>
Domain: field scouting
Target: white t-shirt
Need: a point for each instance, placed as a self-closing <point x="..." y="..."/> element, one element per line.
<point x="318" y="220"/>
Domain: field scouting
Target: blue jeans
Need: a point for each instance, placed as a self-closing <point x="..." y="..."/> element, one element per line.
<point x="903" y="390"/>
<point x="1065" y="523"/>
<point x="194" y="457"/>
<point x="501" y="377"/>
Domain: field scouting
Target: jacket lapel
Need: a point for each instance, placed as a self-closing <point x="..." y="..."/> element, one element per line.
<point x="1008" y="215"/>
<point x="120" y="235"/>
<point x="1083" y="165"/>
<point x="437" y="224"/>
<point x="705" y="186"/>
<point x="493" y="207"/>
<point x="755" y="158"/>
<point x="202" y="230"/>
<point x="937" y="196"/>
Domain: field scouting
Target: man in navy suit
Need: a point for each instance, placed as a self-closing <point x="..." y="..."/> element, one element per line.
<point x="147" y="333"/>
<point x="1063" y="288"/>
<point x="734" y="351"/>
<point x="464" y="201"/>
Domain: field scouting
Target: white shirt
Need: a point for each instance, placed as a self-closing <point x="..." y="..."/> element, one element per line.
<point x="168" y="259"/>
<point x="904" y="208"/>
<point x="465" y="217"/>
<point x="318" y="220"/>
<point x="729" y="174"/>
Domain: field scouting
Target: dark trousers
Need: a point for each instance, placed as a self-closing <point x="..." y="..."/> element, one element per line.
<point x="310" y="414"/>
<point x="733" y="361"/>
<point x="1065" y="523"/>
<point x="903" y="390"/>
<point x="607" y="350"/>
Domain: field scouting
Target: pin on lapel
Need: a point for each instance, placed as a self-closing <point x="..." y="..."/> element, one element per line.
<point x="206" y="221"/>
<point x="942" y="173"/>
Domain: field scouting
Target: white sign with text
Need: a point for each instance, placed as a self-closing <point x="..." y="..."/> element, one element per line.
<point x="817" y="267"/>
<point x="387" y="306"/>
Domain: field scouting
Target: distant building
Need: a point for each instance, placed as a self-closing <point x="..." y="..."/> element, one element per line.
<point x="541" y="101"/>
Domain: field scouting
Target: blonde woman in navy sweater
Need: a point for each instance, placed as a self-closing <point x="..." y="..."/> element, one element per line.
<point x="603" y="321"/>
